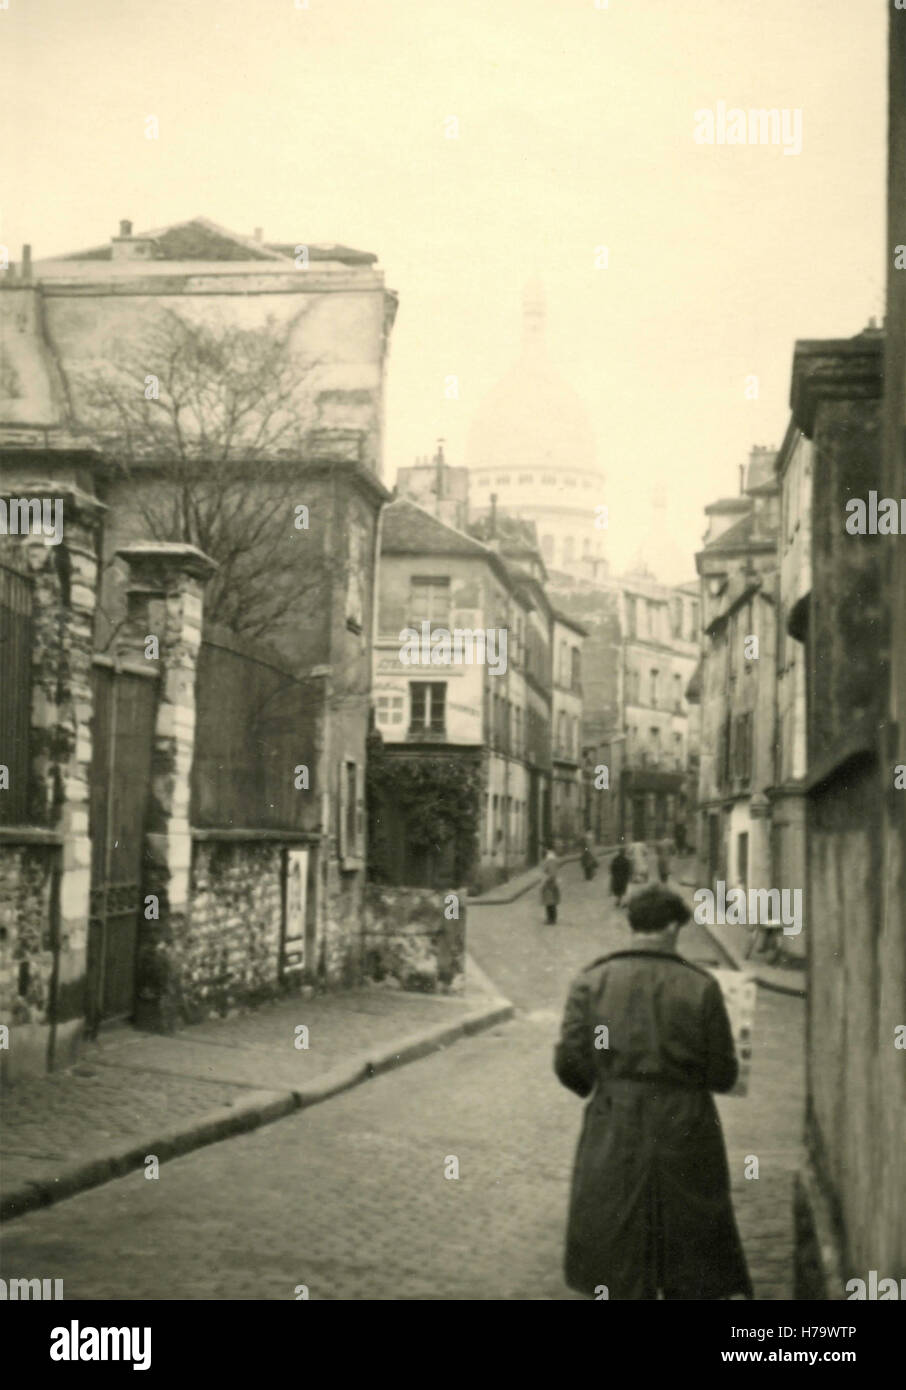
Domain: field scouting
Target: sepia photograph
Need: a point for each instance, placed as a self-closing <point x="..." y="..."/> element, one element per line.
<point x="452" y="670"/>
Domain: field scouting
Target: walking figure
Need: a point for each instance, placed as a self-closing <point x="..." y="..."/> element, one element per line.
<point x="550" y="888"/>
<point x="663" y="860"/>
<point x="588" y="861"/>
<point x="620" y="874"/>
<point x="646" y="1036"/>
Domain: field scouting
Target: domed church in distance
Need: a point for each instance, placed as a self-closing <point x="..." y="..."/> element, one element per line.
<point x="531" y="445"/>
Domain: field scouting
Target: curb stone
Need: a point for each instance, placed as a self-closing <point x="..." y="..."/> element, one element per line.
<point x="247" y="1113"/>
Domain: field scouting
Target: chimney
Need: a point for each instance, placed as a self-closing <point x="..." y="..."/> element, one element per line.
<point x="493" y="515"/>
<point x="125" y="227"/>
<point x="742" y="479"/>
<point x="439" y="465"/>
<point x="26" y="264"/>
<point x="259" y="235"/>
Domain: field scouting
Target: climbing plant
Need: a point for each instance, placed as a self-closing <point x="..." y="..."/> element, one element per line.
<point x="439" y="800"/>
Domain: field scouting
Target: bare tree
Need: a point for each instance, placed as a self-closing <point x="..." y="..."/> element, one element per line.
<point x="203" y="420"/>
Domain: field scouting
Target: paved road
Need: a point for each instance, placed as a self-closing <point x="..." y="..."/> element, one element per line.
<point x="352" y="1198"/>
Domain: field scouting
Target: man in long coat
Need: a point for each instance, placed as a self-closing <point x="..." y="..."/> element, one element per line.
<point x="646" y="1035"/>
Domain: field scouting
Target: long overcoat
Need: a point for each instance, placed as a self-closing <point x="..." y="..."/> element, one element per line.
<point x="650" y="1205"/>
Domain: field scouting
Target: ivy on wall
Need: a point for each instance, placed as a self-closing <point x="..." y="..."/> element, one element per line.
<point x="439" y="800"/>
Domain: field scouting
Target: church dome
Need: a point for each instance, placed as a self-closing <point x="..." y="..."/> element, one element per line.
<point x="532" y="418"/>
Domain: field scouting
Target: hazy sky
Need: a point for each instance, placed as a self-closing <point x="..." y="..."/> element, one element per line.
<point x="575" y="131"/>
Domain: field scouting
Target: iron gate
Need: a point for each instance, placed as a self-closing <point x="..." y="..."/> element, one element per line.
<point x="123" y="732"/>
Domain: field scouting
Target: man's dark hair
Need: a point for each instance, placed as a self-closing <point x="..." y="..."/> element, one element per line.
<point x="653" y="908"/>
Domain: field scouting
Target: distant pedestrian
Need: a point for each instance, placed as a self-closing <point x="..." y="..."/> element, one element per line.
<point x="620" y="874"/>
<point x="588" y="860"/>
<point x="650" y="1210"/>
<point x="663" y="861"/>
<point x="550" y="888"/>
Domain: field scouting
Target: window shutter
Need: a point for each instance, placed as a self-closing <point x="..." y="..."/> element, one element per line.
<point x="360" y="811"/>
<point x="342" y="803"/>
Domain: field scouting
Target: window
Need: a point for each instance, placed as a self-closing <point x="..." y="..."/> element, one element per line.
<point x="390" y="709"/>
<point x="678" y="692"/>
<point x="548" y="480"/>
<point x="742" y="747"/>
<point x="428" y="706"/>
<point x="654" y="687"/>
<point x="502" y="479"/>
<point x="631" y="617"/>
<point x="527" y="478"/>
<point x="429" y="600"/>
<point x="655" y="745"/>
<point x="576" y="673"/>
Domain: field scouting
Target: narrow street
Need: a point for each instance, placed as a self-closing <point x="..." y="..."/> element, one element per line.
<point x="351" y="1199"/>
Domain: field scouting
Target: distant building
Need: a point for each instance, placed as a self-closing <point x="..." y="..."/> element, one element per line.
<point x="457" y="720"/>
<point x="568" y="782"/>
<point x="639" y="654"/>
<point x="737" y="569"/>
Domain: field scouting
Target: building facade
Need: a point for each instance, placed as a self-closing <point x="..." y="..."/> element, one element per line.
<point x="737" y="570"/>
<point x="133" y="801"/>
<point x="568" y="810"/>
<point x="476" y="717"/>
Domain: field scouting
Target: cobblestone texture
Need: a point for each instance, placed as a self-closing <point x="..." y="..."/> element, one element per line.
<point x="132" y="1084"/>
<point x="350" y="1198"/>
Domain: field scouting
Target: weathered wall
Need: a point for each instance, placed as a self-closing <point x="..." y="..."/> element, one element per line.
<point x="228" y="953"/>
<point x="411" y="940"/>
<point x="52" y="909"/>
<point x="854" y="1128"/>
<point x="27" y="955"/>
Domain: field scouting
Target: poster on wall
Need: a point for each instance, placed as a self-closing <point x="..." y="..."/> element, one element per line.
<point x="295" y="898"/>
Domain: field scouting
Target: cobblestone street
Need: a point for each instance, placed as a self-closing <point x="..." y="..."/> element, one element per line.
<point x="350" y="1198"/>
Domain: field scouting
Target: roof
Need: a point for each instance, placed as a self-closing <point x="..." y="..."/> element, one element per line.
<point x="200" y="239"/>
<point x="567" y="621"/>
<point x="408" y="529"/>
<point x="743" y="534"/>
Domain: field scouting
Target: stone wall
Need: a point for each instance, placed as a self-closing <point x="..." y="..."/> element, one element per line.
<point x="25" y="903"/>
<point x="411" y="942"/>
<point x="44" y="864"/>
<point x="229" y="953"/>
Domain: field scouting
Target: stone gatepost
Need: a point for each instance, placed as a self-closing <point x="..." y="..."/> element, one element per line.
<point x="165" y="601"/>
<point x="62" y="563"/>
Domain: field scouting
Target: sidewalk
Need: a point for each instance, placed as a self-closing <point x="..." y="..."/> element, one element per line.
<point x="134" y="1094"/>
<point x="515" y="887"/>
<point x="734" y="942"/>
